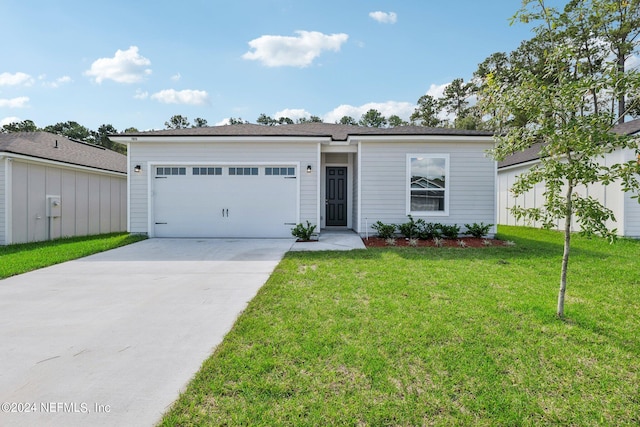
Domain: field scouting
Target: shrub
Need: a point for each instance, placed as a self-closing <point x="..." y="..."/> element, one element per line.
<point x="413" y="242"/>
<point x="450" y="231"/>
<point x="412" y="228"/>
<point x="478" y="230"/>
<point x="302" y="232"/>
<point x="429" y="230"/>
<point x="385" y="231"/>
<point x="462" y="243"/>
<point x="390" y="241"/>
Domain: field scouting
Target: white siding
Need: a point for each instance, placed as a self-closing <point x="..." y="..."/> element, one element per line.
<point x="91" y="203"/>
<point x="3" y="193"/>
<point x="611" y="196"/>
<point x="145" y="154"/>
<point x="471" y="184"/>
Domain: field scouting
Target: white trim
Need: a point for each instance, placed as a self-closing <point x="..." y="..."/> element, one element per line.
<point x="359" y="162"/>
<point x="319" y="176"/>
<point x="29" y="159"/>
<point x="128" y="188"/>
<point x="447" y="186"/>
<point x="339" y="148"/>
<point x="519" y="165"/>
<point x="303" y="139"/>
<point x="8" y="209"/>
<point x="421" y="138"/>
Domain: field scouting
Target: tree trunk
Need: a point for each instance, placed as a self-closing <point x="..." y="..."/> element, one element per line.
<point x="621" y="100"/>
<point x="565" y="255"/>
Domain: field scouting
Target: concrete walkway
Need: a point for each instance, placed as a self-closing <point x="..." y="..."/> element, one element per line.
<point x="111" y="339"/>
<point x="333" y="240"/>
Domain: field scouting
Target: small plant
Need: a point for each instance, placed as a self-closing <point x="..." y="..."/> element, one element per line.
<point x="303" y="233"/>
<point x="413" y="242"/>
<point x="429" y="230"/>
<point x="462" y="243"/>
<point x="486" y="242"/>
<point x="385" y="231"/>
<point x="390" y="241"/>
<point x="478" y="230"/>
<point x="509" y="243"/>
<point x="412" y="228"/>
<point x="450" y="231"/>
<point x="438" y="242"/>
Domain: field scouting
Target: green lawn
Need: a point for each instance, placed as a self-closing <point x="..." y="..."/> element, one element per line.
<point x="20" y="258"/>
<point x="432" y="336"/>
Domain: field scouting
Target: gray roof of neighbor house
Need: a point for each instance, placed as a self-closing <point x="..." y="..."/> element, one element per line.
<point x="49" y="146"/>
<point x="336" y="132"/>
<point x="533" y="152"/>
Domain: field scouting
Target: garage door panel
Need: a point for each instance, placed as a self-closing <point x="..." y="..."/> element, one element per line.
<point x="225" y="205"/>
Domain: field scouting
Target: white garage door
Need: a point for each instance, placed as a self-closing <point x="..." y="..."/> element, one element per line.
<point x="224" y="201"/>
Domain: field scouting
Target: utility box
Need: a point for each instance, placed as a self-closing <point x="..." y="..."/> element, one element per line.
<point x="54" y="206"/>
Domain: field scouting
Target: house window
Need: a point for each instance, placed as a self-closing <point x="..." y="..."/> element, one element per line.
<point x="428" y="184"/>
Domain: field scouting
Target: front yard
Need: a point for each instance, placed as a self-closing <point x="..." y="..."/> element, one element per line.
<point x="432" y="336"/>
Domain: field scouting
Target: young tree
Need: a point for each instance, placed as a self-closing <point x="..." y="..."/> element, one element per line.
<point x="564" y="114"/>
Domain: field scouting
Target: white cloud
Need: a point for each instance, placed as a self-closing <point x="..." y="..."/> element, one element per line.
<point x="292" y="113"/>
<point x="20" y="102"/>
<point x="437" y="91"/>
<point x="56" y="83"/>
<point x="632" y="62"/>
<point x="176" y="77"/>
<point x="300" y="51"/>
<point x="384" y="17"/>
<point x="223" y="122"/>
<point x="127" y="66"/>
<point x="9" y="120"/>
<point x="140" y="94"/>
<point x="190" y="97"/>
<point x="16" y="79"/>
<point x="389" y="108"/>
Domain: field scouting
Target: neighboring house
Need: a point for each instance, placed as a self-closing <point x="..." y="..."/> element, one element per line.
<point x="612" y="196"/>
<point x="52" y="186"/>
<point x="259" y="181"/>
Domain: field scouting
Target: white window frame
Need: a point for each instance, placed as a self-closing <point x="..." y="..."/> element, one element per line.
<point x="447" y="184"/>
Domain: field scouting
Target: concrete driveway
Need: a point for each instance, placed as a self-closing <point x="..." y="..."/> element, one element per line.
<point x="113" y="338"/>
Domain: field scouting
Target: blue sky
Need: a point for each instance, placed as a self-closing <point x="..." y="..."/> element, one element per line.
<point x="137" y="63"/>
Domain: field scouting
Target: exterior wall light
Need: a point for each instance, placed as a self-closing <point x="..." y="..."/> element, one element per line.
<point x="308" y="168"/>
<point x="137" y="169"/>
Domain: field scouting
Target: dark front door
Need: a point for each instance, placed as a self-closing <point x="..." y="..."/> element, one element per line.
<point x="336" y="196"/>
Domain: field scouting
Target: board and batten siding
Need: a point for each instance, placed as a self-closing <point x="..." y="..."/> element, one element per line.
<point x="384" y="182"/>
<point x="150" y="153"/>
<point x="611" y="196"/>
<point x="90" y="203"/>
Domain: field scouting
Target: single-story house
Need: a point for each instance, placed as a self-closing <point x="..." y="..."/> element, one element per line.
<point x="250" y="180"/>
<point x="612" y="196"/>
<point x="52" y="186"/>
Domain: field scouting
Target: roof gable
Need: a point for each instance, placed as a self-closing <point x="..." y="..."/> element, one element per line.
<point x="49" y="146"/>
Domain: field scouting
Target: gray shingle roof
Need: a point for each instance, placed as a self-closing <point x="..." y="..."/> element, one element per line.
<point x="533" y="153"/>
<point x="336" y="132"/>
<point x="42" y="145"/>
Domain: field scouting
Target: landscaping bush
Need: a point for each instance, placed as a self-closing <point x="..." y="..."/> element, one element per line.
<point x="412" y="228"/>
<point x="450" y="231"/>
<point x="429" y="230"/>
<point x="478" y="230"/>
<point x="385" y="231"/>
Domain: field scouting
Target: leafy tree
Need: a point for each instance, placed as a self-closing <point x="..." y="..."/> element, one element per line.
<point x="199" y="123"/>
<point x="177" y="122"/>
<point x="131" y="130"/>
<point x="563" y="115"/>
<point x="101" y="137"/>
<point x="455" y="99"/>
<point x="373" y="118"/>
<point x="426" y="113"/>
<point x="312" y="119"/>
<point x="348" y="120"/>
<point x="266" y="120"/>
<point x="23" y="126"/>
<point x="238" y="121"/>
<point x="285" y="121"/>
<point x="72" y="130"/>
<point x="395" y="121"/>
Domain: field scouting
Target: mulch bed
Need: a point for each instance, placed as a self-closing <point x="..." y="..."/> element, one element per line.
<point x="470" y="242"/>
